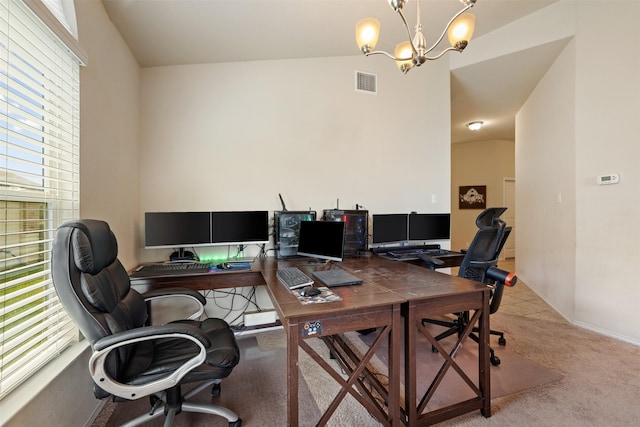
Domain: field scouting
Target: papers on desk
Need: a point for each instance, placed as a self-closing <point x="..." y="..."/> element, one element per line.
<point x="325" y="295"/>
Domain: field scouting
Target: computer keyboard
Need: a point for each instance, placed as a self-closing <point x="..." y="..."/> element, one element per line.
<point x="293" y="278"/>
<point x="171" y="269"/>
<point x="413" y="253"/>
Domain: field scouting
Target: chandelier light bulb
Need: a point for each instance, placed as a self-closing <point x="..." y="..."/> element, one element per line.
<point x="367" y="32"/>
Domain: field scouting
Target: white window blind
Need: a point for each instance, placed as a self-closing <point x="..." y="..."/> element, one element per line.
<point x="39" y="187"/>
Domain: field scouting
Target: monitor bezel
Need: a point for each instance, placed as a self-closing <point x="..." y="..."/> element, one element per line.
<point x="396" y="216"/>
<point x="177" y="243"/>
<point x="325" y="255"/>
<point x="416" y="216"/>
<point x="263" y="239"/>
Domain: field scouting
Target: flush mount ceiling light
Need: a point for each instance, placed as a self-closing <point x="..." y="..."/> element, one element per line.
<point x="474" y="125"/>
<point x="414" y="52"/>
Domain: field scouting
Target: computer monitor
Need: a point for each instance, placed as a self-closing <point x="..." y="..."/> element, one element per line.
<point x="389" y="228"/>
<point x="322" y="239"/>
<point x="176" y="229"/>
<point x="239" y="227"/>
<point x="429" y="226"/>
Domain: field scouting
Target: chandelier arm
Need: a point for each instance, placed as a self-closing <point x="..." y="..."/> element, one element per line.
<point x="406" y="26"/>
<point x="445" y="32"/>
<point x="431" y="58"/>
<point x="388" y="55"/>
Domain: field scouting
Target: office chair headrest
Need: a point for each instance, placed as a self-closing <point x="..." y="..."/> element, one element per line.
<point x="488" y="216"/>
<point x="95" y="246"/>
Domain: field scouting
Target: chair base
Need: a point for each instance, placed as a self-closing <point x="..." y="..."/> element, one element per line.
<point x="170" y="403"/>
<point x="457" y="327"/>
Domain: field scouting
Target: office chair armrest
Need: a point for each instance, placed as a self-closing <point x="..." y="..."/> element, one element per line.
<point x="430" y="261"/>
<point x="502" y="276"/>
<point x="157" y="294"/>
<point x="103" y="347"/>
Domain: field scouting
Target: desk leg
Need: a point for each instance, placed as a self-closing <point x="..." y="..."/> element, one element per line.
<point x="484" y="381"/>
<point x="410" y="364"/>
<point x="293" y="337"/>
<point x="395" y="412"/>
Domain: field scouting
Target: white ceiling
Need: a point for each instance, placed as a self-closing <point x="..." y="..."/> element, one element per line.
<point x="174" y="32"/>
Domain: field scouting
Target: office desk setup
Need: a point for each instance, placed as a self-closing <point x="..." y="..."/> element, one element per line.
<point x="393" y="298"/>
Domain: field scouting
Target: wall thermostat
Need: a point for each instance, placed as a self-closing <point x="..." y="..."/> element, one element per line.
<point x="613" y="178"/>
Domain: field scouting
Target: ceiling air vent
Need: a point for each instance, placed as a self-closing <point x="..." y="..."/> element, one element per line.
<point x="366" y="82"/>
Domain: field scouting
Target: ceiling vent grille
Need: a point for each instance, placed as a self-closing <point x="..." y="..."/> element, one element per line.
<point x="366" y="82"/>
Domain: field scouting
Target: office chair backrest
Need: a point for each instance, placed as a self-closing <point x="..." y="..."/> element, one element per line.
<point x="481" y="254"/>
<point x="94" y="287"/>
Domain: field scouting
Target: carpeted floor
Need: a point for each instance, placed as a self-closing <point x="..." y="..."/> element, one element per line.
<point x="255" y="390"/>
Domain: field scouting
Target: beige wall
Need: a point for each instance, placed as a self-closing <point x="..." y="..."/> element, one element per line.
<point x="109" y="128"/>
<point x="477" y="163"/>
<point x="233" y="136"/>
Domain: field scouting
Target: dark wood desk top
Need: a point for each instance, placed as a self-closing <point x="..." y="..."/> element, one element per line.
<point x="365" y="296"/>
<point x="384" y="282"/>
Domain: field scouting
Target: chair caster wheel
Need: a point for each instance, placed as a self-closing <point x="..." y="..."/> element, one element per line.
<point x="236" y="423"/>
<point x="495" y="360"/>
<point x="215" y="390"/>
<point x="502" y="341"/>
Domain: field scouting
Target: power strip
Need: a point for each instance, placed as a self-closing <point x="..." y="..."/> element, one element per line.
<point x="255" y="318"/>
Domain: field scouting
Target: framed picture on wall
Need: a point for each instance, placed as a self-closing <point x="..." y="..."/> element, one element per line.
<point x="472" y="197"/>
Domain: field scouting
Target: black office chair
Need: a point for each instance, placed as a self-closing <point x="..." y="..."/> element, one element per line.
<point x="480" y="264"/>
<point x="131" y="360"/>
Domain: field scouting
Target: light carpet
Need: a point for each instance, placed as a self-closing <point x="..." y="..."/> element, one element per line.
<point x="256" y="390"/>
<point x="514" y="374"/>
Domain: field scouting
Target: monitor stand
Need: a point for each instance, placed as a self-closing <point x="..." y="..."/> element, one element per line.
<point x="181" y="256"/>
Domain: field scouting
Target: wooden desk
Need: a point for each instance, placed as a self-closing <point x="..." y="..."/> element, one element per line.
<point x="203" y="281"/>
<point x="362" y="307"/>
<point x="449" y="259"/>
<point x="390" y="289"/>
<point x="427" y="294"/>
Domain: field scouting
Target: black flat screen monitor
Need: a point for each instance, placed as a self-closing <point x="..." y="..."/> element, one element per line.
<point x="239" y="227"/>
<point x="322" y="239"/>
<point x="389" y="228"/>
<point x="429" y="226"/>
<point x="177" y="229"/>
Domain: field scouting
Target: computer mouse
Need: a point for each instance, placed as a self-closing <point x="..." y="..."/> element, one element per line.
<point x="309" y="291"/>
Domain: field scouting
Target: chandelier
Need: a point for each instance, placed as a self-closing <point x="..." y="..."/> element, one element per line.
<point x="414" y="52"/>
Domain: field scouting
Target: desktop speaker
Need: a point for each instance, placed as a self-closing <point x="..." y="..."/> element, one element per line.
<point x="356" y="229"/>
<point x="287" y="231"/>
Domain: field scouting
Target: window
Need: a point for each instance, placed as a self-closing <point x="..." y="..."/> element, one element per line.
<point x="39" y="187"/>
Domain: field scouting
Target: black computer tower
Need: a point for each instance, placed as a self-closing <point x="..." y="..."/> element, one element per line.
<point x="287" y="231"/>
<point x="356" y="229"/>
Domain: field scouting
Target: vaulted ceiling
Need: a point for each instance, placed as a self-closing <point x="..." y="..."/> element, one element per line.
<point x="173" y="32"/>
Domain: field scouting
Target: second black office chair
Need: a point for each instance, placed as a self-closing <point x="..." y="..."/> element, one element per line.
<point x="130" y="360"/>
<point x="480" y="264"/>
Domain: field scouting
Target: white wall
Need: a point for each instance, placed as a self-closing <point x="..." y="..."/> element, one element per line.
<point x="581" y="250"/>
<point x="232" y="136"/>
<point x="607" y="111"/>
<point x="545" y="186"/>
